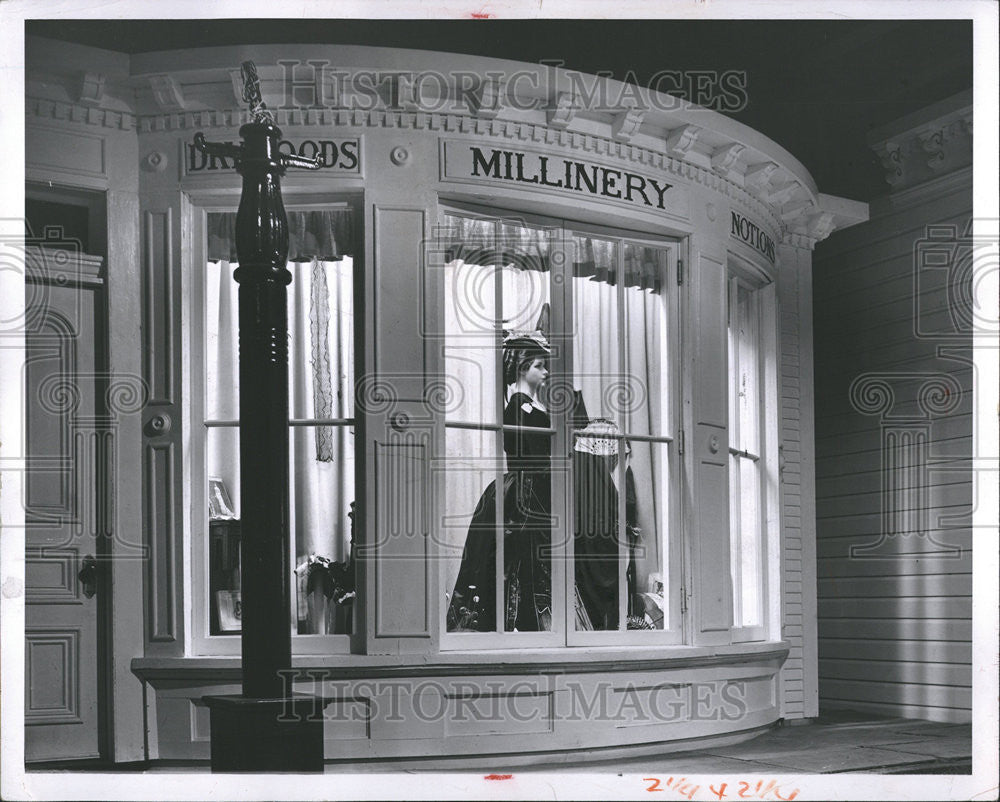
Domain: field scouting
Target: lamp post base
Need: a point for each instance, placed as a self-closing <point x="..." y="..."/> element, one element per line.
<point x="266" y="735"/>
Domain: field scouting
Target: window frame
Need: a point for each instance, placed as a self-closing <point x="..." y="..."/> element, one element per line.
<point x="564" y="633"/>
<point x="746" y="274"/>
<point x="197" y="206"/>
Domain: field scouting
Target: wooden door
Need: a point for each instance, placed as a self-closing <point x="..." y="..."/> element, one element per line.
<point x="65" y="447"/>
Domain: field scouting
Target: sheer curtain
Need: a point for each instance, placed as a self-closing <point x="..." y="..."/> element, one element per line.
<point x="321" y="376"/>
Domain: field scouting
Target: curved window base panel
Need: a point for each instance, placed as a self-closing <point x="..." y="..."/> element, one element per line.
<point x="524" y="716"/>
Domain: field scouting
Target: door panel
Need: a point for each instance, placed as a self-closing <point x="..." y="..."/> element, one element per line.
<point x="63" y="448"/>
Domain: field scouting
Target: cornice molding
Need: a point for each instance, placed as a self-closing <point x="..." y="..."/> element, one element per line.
<point x="59" y="111"/>
<point x="926" y="145"/>
<point x="527" y="132"/>
<point x="955" y="181"/>
<point x="787" y="209"/>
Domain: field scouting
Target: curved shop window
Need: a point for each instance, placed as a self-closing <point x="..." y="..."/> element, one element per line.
<point x="561" y="503"/>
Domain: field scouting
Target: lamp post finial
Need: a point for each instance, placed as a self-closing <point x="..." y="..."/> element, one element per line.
<point x="259" y="112"/>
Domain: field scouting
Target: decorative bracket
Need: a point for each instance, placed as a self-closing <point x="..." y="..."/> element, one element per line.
<point x="167" y="92"/>
<point x="407" y="97"/>
<point x="758" y="178"/>
<point x="892" y="161"/>
<point x="794" y="209"/>
<point x="781" y="195"/>
<point x="724" y="159"/>
<point x="91" y="88"/>
<point x="820" y="226"/>
<point x="489" y="101"/>
<point x="932" y="143"/>
<point x="626" y="124"/>
<point x="681" y="140"/>
<point x="561" y="114"/>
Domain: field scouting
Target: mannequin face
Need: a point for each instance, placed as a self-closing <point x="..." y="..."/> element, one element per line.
<point x="535" y="374"/>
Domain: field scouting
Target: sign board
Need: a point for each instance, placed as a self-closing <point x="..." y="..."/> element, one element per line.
<point x="748" y="232"/>
<point x="341" y="156"/>
<point x="573" y="177"/>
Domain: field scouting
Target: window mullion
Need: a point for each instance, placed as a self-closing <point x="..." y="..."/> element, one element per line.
<point x="564" y="312"/>
<point x="498" y="471"/>
<point x="622" y="427"/>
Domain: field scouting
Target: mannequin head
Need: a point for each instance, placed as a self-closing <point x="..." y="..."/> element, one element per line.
<point x="525" y="362"/>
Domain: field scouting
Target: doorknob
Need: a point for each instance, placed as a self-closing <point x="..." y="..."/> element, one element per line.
<point x="88" y="576"/>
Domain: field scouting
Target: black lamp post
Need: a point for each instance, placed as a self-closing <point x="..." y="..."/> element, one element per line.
<point x="267" y="728"/>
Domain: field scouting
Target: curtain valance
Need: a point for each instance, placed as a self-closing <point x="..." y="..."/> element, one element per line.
<point x="326" y="235"/>
<point x="595" y="259"/>
<point x="487" y="243"/>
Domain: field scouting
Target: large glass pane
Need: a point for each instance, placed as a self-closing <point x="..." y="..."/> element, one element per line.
<point x="596" y="333"/>
<point x="621" y="517"/>
<point x="477" y="551"/>
<point x="600" y="539"/>
<point x="470" y="318"/>
<point x="525" y="277"/>
<point x="747" y="389"/>
<point x="645" y="398"/>
<point x="477" y="496"/>
<point x="321" y="467"/>
<point x="647" y="519"/>
<point x="745" y="510"/>
<point x="751" y="568"/>
<point x="222" y="491"/>
<point x="469" y="529"/>
<point x="222" y="375"/>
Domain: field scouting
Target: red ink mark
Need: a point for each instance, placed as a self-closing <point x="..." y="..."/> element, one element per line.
<point x="719" y="792"/>
<point x="481" y="15"/>
<point x="655" y="783"/>
<point x="744" y="787"/>
<point x="498" y="776"/>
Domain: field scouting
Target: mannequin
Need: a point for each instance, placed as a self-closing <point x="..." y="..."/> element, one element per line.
<point x="527" y="600"/>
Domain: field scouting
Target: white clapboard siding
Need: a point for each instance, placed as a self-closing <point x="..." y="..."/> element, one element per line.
<point x="912" y="651"/>
<point x="894" y="622"/>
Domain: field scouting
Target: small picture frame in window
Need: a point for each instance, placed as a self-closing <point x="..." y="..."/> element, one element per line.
<point x="230" y="610"/>
<point x="220" y="507"/>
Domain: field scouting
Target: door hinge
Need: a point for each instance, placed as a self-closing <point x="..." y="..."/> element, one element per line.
<point x="680" y="271"/>
<point x="680" y="442"/>
<point x="684" y="600"/>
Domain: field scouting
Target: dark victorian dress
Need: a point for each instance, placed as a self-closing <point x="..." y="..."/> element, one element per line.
<point x="596" y="539"/>
<point x="527" y="600"/>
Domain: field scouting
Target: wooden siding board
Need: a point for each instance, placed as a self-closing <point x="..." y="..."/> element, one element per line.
<point x="904" y="616"/>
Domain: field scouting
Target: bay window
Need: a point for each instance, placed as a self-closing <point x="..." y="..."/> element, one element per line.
<point x="559" y="518"/>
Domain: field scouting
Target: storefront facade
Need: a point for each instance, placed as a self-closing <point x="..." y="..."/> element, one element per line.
<point x="662" y="251"/>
